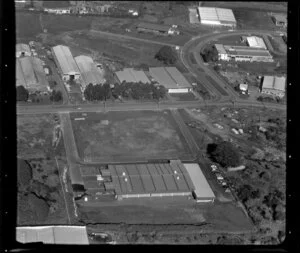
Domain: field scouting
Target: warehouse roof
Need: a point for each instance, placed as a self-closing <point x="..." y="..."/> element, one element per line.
<point x="23" y="48"/>
<point x="202" y="188"/>
<point x="169" y="77"/>
<point x="244" y="50"/>
<point x="151" y="26"/>
<point x="220" y="48"/>
<point x="274" y="82"/>
<point x="257" y="42"/>
<point x="30" y="73"/>
<point x="216" y="14"/>
<point x="53" y="234"/>
<point x="65" y="59"/>
<point x="280" y="18"/>
<point x="150" y="178"/>
<point x="132" y="75"/>
<point x="88" y="70"/>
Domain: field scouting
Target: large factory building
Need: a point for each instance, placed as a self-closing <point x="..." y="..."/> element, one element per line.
<point x="216" y="16"/>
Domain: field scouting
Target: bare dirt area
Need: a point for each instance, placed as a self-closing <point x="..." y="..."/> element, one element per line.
<point x="41" y="159"/>
<point x="129" y="135"/>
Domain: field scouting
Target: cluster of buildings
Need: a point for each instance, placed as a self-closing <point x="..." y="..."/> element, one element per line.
<point x="152" y="180"/>
<point x="255" y="51"/>
<point x="29" y="71"/>
<point x="157" y="29"/>
<point x="81" y="68"/>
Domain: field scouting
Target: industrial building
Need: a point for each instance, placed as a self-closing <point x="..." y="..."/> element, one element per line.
<point x="171" y="79"/>
<point x="280" y="20"/>
<point x="273" y="85"/>
<point x="256" y="42"/>
<point x="66" y="63"/>
<point x="31" y="75"/>
<point x="243" y="53"/>
<point x="22" y="50"/>
<point x="89" y="71"/>
<point x="52" y="234"/>
<point x="157" y="29"/>
<point x="131" y="75"/>
<point x="216" y="16"/>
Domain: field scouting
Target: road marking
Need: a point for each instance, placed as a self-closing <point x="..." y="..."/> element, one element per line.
<point x="63" y="191"/>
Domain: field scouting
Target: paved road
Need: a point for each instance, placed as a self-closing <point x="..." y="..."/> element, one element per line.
<point x="94" y="32"/>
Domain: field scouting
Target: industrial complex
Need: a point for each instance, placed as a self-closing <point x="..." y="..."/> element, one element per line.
<point x="171" y="78"/>
<point x="216" y="16"/>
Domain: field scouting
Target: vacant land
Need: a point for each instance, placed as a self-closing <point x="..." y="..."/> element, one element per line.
<point x="27" y="25"/>
<point x="118" y="136"/>
<point x="40" y="193"/>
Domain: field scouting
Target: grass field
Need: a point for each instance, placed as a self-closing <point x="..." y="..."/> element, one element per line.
<point x="184" y="96"/>
<point x="216" y="86"/>
<point x="27" y="25"/>
<point x="118" y="136"/>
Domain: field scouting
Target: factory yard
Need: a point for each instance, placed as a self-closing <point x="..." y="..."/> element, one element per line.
<point x="122" y="136"/>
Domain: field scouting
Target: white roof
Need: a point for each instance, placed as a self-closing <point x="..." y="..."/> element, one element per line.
<point x="216" y="14"/>
<point x="244" y="86"/>
<point x="53" y="234"/>
<point x="255" y="41"/>
<point x="88" y="70"/>
<point x="23" y="48"/>
<point x="131" y="75"/>
<point x="202" y="188"/>
<point x="65" y="60"/>
<point x="274" y="82"/>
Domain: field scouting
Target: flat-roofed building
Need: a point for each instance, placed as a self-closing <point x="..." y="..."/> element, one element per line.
<point x="202" y="191"/>
<point x="280" y="20"/>
<point x="22" y="50"/>
<point x="216" y="16"/>
<point x="150" y="180"/>
<point x="243" y="53"/>
<point x="171" y="79"/>
<point x="156" y="28"/>
<point x="31" y="75"/>
<point x="52" y="234"/>
<point x="131" y="75"/>
<point x="89" y="71"/>
<point x="66" y="63"/>
<point x="273" y="85"/>
<point x="256" y="42"/>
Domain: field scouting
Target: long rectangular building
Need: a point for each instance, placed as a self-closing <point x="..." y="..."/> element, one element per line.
<point x="31" y="75"/>
<point x="66" y="63"/>
<point x="88" y="70"/>
<point x="131" y="75"/>
<point x="243" y="53"/>
<point x="171" y="78"/>
<point x="156" y="28"/>
<point x="216" y="16"/>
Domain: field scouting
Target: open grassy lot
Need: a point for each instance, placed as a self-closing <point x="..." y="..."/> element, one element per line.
<point x="27" y="25"/>
<point x="183" y="96"/>
<point x="118" y="136"/>
<point x="40" y="192"/>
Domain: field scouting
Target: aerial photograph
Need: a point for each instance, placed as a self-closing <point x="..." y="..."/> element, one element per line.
<point x="151" y="122"/>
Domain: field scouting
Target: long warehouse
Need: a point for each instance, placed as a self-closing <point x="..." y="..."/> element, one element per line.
<point x="131" y="75"/>
<point x="171" y="78"/>
<point x="216" y="16"/>
<point x="65" y="62"/>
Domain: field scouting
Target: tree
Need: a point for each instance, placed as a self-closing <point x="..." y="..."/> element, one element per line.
<point x="166" y="55"/>
<point x="56" y="96"/>
<point x="22" y="93"/>
<point x="226" y="154"/>
<point x="209" y="54"/>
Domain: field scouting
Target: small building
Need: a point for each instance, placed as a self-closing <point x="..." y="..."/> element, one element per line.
<point x="22" y="50"/>
<point x="202" y="191"/>
<point x="256" y="42"/>
<point x="280" y="20"/>
<point x="157" y="29"/>
<point x="66" y="63"/>
<point x="171" y="78"/>
<point x="273" y="85"/>
<point x="52" y="234"/>
<point x="216" y="16"/>
<point x="243" y="87"/>
<point x="243" y="53"/>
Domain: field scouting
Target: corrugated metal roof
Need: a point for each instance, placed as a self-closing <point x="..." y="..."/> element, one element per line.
<point x="274" y="82"/>
<point x="216" y="14"/>
<point x="156" y="27"/>
<point x="256" y="42"/>
<point x="162" y="77"/>
<point x="52" y="234"/>
<point x="245" y="51"/>
<point x="220" y="48"/>
<point x="178" y="77"/>
<point x="88" y="70"/>
<point x="202" y="188"/>
<point x="23" y="48"/>
<point x="65" y="60"/>
<point x="225" y="15"/>
<point x="131" y="75"/>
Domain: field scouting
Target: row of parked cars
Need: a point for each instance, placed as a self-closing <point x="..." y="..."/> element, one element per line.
<point x="220" y="178"/>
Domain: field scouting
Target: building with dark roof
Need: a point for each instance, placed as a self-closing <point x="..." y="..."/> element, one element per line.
<point x="156" y="28"/>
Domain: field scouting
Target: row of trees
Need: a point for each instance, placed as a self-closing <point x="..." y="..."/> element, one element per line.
<point x="23" y="94"/>
<point x="125" y="90"/>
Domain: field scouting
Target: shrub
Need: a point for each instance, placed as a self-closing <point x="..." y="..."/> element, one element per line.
<point x="39" y="206"/>
<point x="22" y="93"/>
<point x="226" y="155"/>
<point x="166" y="55"/>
